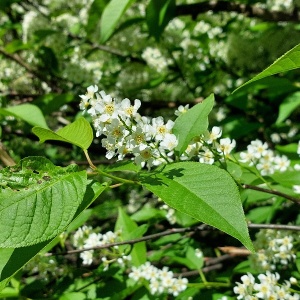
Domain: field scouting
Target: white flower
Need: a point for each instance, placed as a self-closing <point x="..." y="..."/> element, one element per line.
<point x="181" y="110"/>
<point x="143" y="154"/>
<point x="226" y="146"/>
<point x="156" y="287"/>
<point x="206" y="157"/>
<point x="135" y="273"/>
<point x="257" y="148"/>
<point x="265" y="167"/>
<point x="281" y="163"/>
<point x="105" y="262"/>
<point x="215" y="133"/>
<point x="127" y="109"/>
<point x="169" y="142"/>
<point x="198" y="253"/>
<point x="87" y="257"/>
<point x="160" y="129"/>
<point x="247" y="157"/>
<point x="93" y="240"/>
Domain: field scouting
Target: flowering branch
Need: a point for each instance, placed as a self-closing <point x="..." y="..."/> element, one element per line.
<point x="273" y="192"/>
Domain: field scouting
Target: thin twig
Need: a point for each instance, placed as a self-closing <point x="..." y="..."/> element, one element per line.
<point x="273" y="192"/>
<point x="202" y="227"/>
<point x="138" y="240"/>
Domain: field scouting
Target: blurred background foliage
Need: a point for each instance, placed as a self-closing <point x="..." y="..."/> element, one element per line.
<point x="52" y="50"/>
<point x="165" y="53"/>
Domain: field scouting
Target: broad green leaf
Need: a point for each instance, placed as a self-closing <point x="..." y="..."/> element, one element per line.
<point x="128" y="227"/>
<point x="158" y="15"/>
<point x="205" y="192"/>
<point x="192" y="123"/>
<point x="11" y="260"/>
<point x="288" y="61"/>
<point x="288" y="105"/>
<point x="287" y="178"/>
<point x="111" y="16"/>
<point x="94" y="15"/>
<point x="28" y="112"/>
<point x="79" y="133"/>
<point x="38" y="201"/>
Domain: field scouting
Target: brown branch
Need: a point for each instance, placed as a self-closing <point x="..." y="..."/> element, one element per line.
<point x="272" y="192"/>
<point x="202" y="227"/>
<point x="228" y="6"/>
<point x="19" y="61"/>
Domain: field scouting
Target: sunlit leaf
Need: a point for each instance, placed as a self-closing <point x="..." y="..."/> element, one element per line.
<point x="79" y="133"/>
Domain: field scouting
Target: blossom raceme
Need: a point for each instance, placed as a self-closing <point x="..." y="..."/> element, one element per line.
<point x="147" y="141"/>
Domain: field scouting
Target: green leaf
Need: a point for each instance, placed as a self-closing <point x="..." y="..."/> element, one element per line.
<point x="28" y="112"/>
<point x="204" y="192"/>
<point x="79" y="133"/>
<point x="288" y="61"/>
<point x="158" y="15"/>
<point x="94" y="13"/>
<point x="111" y="16"/>
<point x="38" y="201"/>
<point x="11" y="260"/>
<point x="288" y="105"/>
<point x="192" y="123"/>
<point x="15" y="46"/>
<point x="287" y="178"/>
<point x="130" y="230"/>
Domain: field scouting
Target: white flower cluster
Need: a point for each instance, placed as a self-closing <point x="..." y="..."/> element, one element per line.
<point x="155" y="59"/>
<point x="275" y="249"/>
<point x="161" y="281"/>
<point x="264" y="159"/>
<point x="280" y="5"/>
<point x="209" y="146"/>
<point x="85" y="238"/>
<point x="267" y="288"/>
<point x="150" y="141"/>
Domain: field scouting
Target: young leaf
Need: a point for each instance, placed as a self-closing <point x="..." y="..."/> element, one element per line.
<point x="28" y="112"/>
<point x="205" y="192"/>
<point x="130" y="228"/>
<point x="79" y="133"/>
<point x="38" y="201"/>
<point x="192" y="123"/>
<point x="158" y="15"/>
<point x="111" y="16"/>
<point x="288" y="61"/>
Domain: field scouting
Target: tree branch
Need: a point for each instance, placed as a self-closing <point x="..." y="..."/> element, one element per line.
<point x="227" y="6"/>
<point x="202" y="227"/>
<point x="272" y="192"/>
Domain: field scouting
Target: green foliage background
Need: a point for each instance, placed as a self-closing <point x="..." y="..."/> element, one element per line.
<point x="51" y="51"/>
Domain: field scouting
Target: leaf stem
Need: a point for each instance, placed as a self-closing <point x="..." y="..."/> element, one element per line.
<point x="94" y="168"/>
